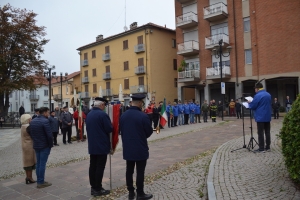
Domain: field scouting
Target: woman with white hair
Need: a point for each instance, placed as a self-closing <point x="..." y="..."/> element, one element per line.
<point x="29" y="159"/>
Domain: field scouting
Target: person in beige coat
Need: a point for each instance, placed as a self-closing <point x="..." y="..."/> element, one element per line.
<point x="29" y="159"/>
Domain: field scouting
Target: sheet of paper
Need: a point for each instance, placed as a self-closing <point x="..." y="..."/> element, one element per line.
<point x="249" y="98"/>
<point x="246" y="104"/>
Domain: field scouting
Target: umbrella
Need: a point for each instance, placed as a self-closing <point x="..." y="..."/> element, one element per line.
<point x="121" y="93"/>
<point x="100" y="92"/>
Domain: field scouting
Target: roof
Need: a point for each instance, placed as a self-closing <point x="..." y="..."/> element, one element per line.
<point x="139" y="28"/>
<point x="70" y="76"/>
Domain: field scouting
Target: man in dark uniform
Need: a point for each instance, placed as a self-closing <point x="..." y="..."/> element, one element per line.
<point x="238" y="108"/>
<point x="67" y="121"/>
<point x="213" y="109"/>
<point x="98" y="127"/>
<point x="276" y="106"/>
<point x="155" y="116"/>
<point x="36" y="110"/>
<point x="135" y="146"/>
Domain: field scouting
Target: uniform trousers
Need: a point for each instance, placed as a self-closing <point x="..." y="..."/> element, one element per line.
<point x="238" y="114"/>
<point x="180" y="119"/>
<point x="186" y="118"/>
<point x="54" y="137"/>
<point x="155" y="120"/>
<point x="276" y="113"/>
<point x="197" y="118"/>
<point x="263" y="128"/>
<point x="96" y="170"/>
<point x="204" y="116"/>
<point x="65" y="130"/>
<point x="140" y="175"/>
<point x="175" y="120"/>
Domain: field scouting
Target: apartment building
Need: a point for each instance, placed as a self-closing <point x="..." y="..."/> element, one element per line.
<point x="259" y="41"/>
<point x="142" y="59"/>
<point x="63" y="87"/>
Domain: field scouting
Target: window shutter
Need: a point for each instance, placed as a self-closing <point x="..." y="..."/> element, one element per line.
<point x="175" y="64"/>
<point x="86" y="88"/>
<point x="107" y="85"/>
<point x="126" y="83"/>
<point x="107" y="69"/>
<point x="140" y="39"/>
<point x="107" y="49"/>
<point x="141" y="80"/>
<point x="86" y="73"/>
<point x="94" y="88"/>
<point x="141" y="62"/>
<point x="85" y="56"/>
<point x="126" y="65"/>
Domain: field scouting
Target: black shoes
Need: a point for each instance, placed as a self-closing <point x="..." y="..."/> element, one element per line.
<point x="70" y="142"/>
<point x="101" y="192"/>
<point x="131" y="195"/>
<point x="144" y="196"/>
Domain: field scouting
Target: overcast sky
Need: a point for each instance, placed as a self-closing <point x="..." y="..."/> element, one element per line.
<point x="73" y="23"/>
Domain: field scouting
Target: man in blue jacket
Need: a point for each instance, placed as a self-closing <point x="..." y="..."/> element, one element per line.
<point x="262" y="105"/>
<point x="41" y="134"/>
<point x="175" y="113"/>
<point x="135" y="128"/>
<point x="98" y="127"/>
<point x="169" y="111"/>
<point x="186" y="111"/>
<point x="180" y="113"/>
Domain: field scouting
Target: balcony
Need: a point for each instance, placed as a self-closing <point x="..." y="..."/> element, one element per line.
<point x="215" y="72"/>
<point x="184" y="1"/>
<point x="138" y="89"/>
<point x="85" y="79"/>
<point x="34" y="97"/>
<point x="57" y="97"/>
<point x="189" y="76"/>
<point x="189" y="48"/>
<point x="106" y="76"/>
<point x="187" y="20"/>
<point x="139" y="48"/>
<point x="212" y="41"/>
<point x="140" y="70"/>
<point x="84" y="63"/>
<point x="106" y="57"/>
<point x="215" y="12"/>
<point x="107" y="92"/>
<point x="84" y="95"/>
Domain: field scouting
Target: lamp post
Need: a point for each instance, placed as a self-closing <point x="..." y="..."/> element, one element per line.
<point x="49" y="75"/>
<point x="61" y="81"/>
<point x="218" y="53"/>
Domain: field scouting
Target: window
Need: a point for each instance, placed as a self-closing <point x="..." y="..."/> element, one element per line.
<point x="45" y="103"/>
<point x="85" y="56"/>
<point x="125" y="44"/>
<point x="126" y="84"/>
<point x="140" y="39"/>
<point x="94" y="54"/>
<point x="141" y="62"/>
<point x="175" y="64"/>
<point x="32" y="107"/>
<point x="11" y="95"/>
<point x="107" y="85"/>
<point x="22" y="93"/>
<point x="16" y="95"/>
<point x="107" y="69"/>
<point x="173" y="43"/>
<point x="45" y="92"/>
<point x="86" y="88"/>
<point x="107" y="49"/>
<point x="219" y="28"/>
<point x="141" y="80"/>
<point x="247" y="24"/>
<point x="67" y="89"/>
<point x="126" y="65"/>
<point x="224" y="63"/>
<point x="86" y="73"/>
<point x="175" y="82"/>
<point x="248" y="56"/>
<point x="94" y="88"/>
<point x="94" y="72"/>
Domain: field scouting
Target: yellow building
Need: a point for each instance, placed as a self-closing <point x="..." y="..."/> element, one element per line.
<point x="63" y="89"/>
<point x="141" y="59"/>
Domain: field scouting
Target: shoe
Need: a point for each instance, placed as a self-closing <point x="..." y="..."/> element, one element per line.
<point x="45" y="184"/>
<point x="70" y="142"/>
<point x="56" y="144"/>
<point x="101" y="192"/>
<point x="259" y="151"/>
<point x="268" y="150"/>
<point x="144" y="196"/>
<point x="29" y="181"/>
<point x="92" y="191"/>
<point x="131" y="195"/>
<point x="65" y="143"/>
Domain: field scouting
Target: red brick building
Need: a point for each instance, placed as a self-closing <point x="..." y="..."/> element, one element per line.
<point x="264" y="36"/>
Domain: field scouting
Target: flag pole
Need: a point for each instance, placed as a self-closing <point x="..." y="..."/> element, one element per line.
<point x="110" y="137"/>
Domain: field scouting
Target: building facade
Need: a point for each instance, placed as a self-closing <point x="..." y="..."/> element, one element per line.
<point x="263" y="40"/>
<point x="141" y="59"/>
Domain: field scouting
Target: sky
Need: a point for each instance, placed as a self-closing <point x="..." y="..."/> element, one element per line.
<point x="71" y="24"/>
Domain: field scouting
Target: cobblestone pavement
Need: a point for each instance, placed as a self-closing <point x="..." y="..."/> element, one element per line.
<point x="8" y="137"/>
<point x="246" y="175"/>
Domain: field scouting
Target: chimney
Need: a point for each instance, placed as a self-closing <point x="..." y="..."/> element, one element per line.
<point x="133" y="25"/>
<point x="99" y="37"/>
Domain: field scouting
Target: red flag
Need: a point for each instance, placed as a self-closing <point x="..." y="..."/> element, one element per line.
<point x="80" y="120"/>
<point x="115" y="133"/>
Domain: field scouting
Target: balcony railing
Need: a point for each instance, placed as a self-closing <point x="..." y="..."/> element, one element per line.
<point x="212" y="41"/>
<point x="85" y="95"/>
<point x="107" y="92"/>
<point x="184" y="1"/>
<point x="106" y="57"/>
<point x="215" y="72"/>
<point x="34" y="97"/>
<point x="57" y="97"/>
<point x="85" y="79"/>
<point x="138" y="89"/>
<point x="140" y="70"/>
<point x="190" y="75"/>
<point x="187" y="20"/>
<point x="106" y="76"/>
<point x="215" y="12"/>
<point x="139" y="48"/>
<point x="188" y="48"/>
<point x="84" y="63"/>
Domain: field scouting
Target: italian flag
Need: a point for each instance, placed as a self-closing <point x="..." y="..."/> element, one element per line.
<point x="80" y="120"/>
<point x="163" y="117"/>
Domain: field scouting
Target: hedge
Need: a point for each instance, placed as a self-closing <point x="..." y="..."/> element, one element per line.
<point x="290" y="135"/>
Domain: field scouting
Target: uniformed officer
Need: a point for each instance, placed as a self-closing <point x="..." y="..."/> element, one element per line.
<point x="135" y="129"/>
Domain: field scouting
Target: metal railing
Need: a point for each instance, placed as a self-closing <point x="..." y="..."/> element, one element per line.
<point x="106" y="57"/>
<point x="57" y="97"/>
<point x="85" y="79"/>
<point x="215" y="8"/>
<point x="106" y="76"/>
<point x="84" y="95"/>
<point x="84" y="63"/>
<point x="138" y="89"/>
<point x="189" y="45"/>
<point x="139" y="48"/>
<point x="186" y="18"/>
<point x="214" y="39"/>
<point x="140" y="70"/>
<point x="189" y="74"/>
<point x="215" y="71"/>
<point x="34" y="97"/>
<point x="107" y="92"/>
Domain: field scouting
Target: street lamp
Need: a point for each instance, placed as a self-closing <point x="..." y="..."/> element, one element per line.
<point x="49" y="75"/>
<point x="61" y="81"/>
<point x="218" y="53"/>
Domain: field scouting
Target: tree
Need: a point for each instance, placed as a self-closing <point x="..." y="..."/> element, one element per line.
<point x="21" y="45"/>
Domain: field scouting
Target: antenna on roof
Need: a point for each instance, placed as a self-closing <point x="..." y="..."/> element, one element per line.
<point x="125" y="27"/>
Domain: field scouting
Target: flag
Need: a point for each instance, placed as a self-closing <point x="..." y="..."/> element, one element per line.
<point x="80" y="120"/>
<point x="115" y="133"/>
<point x="163" y="114"/>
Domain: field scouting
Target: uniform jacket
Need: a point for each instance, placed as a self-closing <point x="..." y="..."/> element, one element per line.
<point x="168" y="110"/>
<point x="238" y="106"/>
<point x="54" y="124"/>
<point x="204" y="107"/>
<point x="288" y="103"/>
<point x="135" y="129"/>
<point x="180" y="108"/>
<point x="175" y="111"/>
<point x="98" y="127"/>
<point x="276" y="105"/>
<point x="40" y="132"/>
<point x="186" y="108"/>
<point x="155" y="112"/>
<point x="192" y="107"/>
<point x="262" y="105"/>
<point x="197" y="109"/>
<point x="66" y="118"/>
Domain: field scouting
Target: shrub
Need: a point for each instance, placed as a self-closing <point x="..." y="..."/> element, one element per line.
<point x="290" y="135"/>
<point x="281" y="109"/>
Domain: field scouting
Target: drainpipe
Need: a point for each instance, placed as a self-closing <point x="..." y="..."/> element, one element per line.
<point x="254" y="17"/>
<point x="147" y="80"/>
<point x="235" y="51"/>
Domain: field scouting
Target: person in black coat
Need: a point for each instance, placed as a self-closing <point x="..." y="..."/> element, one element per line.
<point x="98" y="127"/>
<point x="238" y="108"/>
<point x="67" y="121"/>
<point x="276" y="106"/>
<point x="36" y="110"/>
<point x="155" y="116"/>
<point x="21" y="110"/>
<point x="135" y="129"/>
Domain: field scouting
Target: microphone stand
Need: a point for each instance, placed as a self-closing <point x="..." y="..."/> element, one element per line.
<point x="250" y="144"/>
